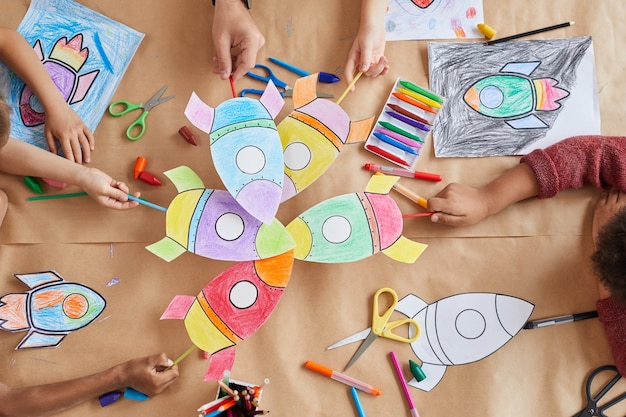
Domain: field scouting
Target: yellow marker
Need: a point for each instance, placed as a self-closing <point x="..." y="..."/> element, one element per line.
<point x="486" y="30"/>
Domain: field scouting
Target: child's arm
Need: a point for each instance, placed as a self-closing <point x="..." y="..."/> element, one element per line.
<point x="367" y="54"/>
<point x="147" y="375"/>
<point x="462" y="205"/>
<point x="19" y="158"/>
<point x="62" y="122"/>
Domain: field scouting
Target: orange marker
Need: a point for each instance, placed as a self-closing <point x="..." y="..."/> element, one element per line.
<point x="337" y="376"/>
<point x="140" y="166"/>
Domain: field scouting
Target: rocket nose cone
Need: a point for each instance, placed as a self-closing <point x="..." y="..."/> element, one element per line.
<point x="513" y="312"/>
<point x="472" y="98"/>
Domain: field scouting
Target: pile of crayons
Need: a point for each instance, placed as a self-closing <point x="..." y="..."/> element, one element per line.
<point x="404" y="123"/>
<point x="235" y="399"/>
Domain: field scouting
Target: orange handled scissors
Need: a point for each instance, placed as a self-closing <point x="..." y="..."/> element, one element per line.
<point x="140" y="122"/>
<point x="381" y="327"/>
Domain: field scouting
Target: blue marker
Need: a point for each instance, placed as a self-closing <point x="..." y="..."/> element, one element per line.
<point x="324" y="77"/>
<point x="147" y="203"/>
<point x="357" y="402"/>
<point x="395" y="143"/>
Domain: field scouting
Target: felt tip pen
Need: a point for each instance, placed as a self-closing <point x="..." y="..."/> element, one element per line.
<point x="357" y="402"/>
<point x="323" y="77"/>
<point x="535" y="324"/>
<point x="407" y="113"/>
<point x="408" y="121"/>
<point x="403" y="384"/>
<point x="413" y="102"/>
<point x="402" y="172"/>
<point x="416" y="88"/>
<point x="395" y="143"/>
<point x="400" y="131"/>
<point x="409" y="142"/>
<point x="381" y="152"/>
<point x="343" y="378"/>
<point x="419" y="97"/>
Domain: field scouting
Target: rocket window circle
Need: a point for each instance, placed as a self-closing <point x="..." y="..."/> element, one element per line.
<point x="243" y="294"/>
<point x="250" y="160"/>
<point x="229" y="226"/>
<point x="470" y="324"/>
<point x="491" y="97"/>
<point x="336" y="229"/>
<point x="75" y="306"/>
<point x="297" y="156"/>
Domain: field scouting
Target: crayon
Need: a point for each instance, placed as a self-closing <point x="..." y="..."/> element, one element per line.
<point x="402" y="132"/>
<point x="409" y="142"/>
<point x="407" y="113"/>
<point x="419" y="97"/>
<point x="33" y="185"/>
<point x="390" y="141"/>
<point x="416" y="88"/>
<point x="413" y="102"/>
<point x="408" y="121"/>
<point x="379" y="151"/>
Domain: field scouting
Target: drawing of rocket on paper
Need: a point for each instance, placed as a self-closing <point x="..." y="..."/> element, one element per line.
<point x="433" y="19"/>
<point x="512" y="98"/>
<point x="86" y="55"/>
<point x="461" y="329"/>
<point x="50" y="310"/>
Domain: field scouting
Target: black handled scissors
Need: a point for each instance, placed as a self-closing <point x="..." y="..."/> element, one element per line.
<point x="593" y="408"/>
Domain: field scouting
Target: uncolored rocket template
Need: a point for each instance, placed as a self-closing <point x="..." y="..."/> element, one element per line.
<point x="313" y="134"/>
<point x="231" y="307"/>
<point x="51" y="310"/>
<point x="212" y="224"/>
<point x="354" y="226"/>
<point x="514" y="97"/>
<point x="245" y="148"/>
<point x="86" y="55"/>
<point x="461" y="329"/>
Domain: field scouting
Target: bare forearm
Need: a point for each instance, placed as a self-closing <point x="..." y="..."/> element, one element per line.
<point x="516" y="184"/>
<point x="372" y="11"/>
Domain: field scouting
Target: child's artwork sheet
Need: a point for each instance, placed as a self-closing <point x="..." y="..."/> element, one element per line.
<point x="513" y="97"/>
<point x="433" y="19"/>
<point x="85" y="53"/>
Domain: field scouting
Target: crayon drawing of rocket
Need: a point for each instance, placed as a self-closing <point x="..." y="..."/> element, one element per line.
<point x="512" y="96"/>
<point x="63" y="65"/>
<point x="354" y="226"/>
<point x="312" y="136"/>
<point x="461" y="329"/>
<point x="212" y="224"/>
<point x="231" y="307"/>
<point x="245" y="148"/>
<point x="50" y="310"/>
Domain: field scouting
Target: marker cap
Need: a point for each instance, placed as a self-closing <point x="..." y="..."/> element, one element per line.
<point x="319" y="368"/>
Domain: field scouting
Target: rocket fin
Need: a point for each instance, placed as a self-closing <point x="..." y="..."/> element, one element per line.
<point x="83" y="85"/>
<point x="434" y="374"/>
<point x="166" y="249"/>
<point x="178" y="307"/>
<point x="524" y="68"/>
<point x="220" y="362"/>
<point x="36" y="340"/>
<point x="305" y="90"/>
<point x="381" y="184"/>
<point x="529" y="122"/>
<point x="35" y="279"/>
<point x="184" y="178"/>
<point x="405" y="250"/>
<point x="13" y="312"/>
<point x="272" y="100"/>
<point x="410" y="305"/>
<point x="199" y="113"/>
<point x="359" y="131"/>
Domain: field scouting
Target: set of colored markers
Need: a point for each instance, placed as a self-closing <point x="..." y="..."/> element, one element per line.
<point x="235" y="399"/>
<point x="404" y="123"/>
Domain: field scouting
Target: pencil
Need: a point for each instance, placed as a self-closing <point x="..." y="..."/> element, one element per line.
<point x="343" y="95"/>
<point x="532" y="32"/>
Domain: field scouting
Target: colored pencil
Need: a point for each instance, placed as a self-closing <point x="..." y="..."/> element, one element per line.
<point x="532" y="32"/>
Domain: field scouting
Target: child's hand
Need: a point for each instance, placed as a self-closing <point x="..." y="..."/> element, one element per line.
<point x="105" y="190"/>
<point x="64" y="125"/>
<point x="148" y="375"/>
<point x="367" y="54"/>
<point x="459" y="205"/>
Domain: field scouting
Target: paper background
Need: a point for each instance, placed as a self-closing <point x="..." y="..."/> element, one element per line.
<point x="535" y="250"/>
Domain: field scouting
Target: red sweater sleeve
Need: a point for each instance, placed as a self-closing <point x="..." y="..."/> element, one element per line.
<point x="613" y="317"/>
<point x="579" y="160"/>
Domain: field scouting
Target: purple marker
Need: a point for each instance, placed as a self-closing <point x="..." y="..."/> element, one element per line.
<point x="399" y="138"/>
<point x="418" y="125"/>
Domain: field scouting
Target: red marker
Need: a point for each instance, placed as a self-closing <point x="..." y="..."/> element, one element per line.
<point x="402" y="172"/>
<point x="388" y="155"/>
<point x="149" y="178"/>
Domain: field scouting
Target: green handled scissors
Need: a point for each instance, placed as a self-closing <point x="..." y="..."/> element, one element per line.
<point x="381" y="327"/>
<point x="140" y="122"/>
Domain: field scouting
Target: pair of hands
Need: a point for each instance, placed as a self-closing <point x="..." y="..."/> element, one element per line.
<point x="237" y="40"/>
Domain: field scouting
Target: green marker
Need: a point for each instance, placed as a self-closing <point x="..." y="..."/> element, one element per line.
<point x="416" y="88"/>
<point x="399" y="131"/>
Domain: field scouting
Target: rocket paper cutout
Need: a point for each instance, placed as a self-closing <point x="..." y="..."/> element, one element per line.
<point x="245" y="148"/>
<point x="313" y="134"/>
<point x="354" y="226"/>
